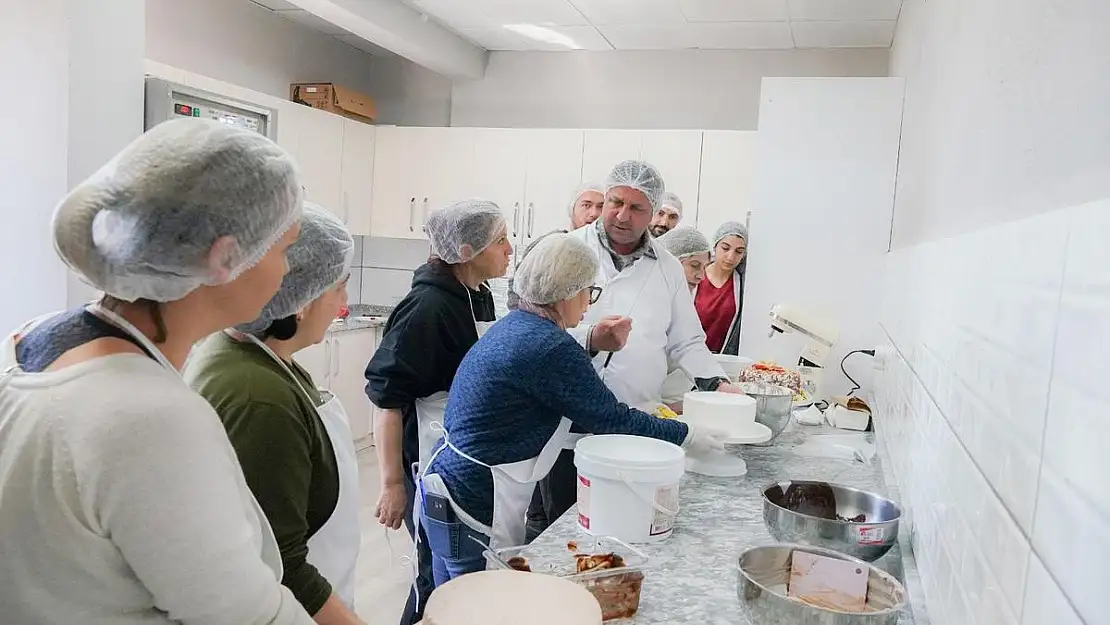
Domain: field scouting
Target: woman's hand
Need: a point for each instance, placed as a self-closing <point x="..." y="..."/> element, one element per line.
<point x="391" y="505"/>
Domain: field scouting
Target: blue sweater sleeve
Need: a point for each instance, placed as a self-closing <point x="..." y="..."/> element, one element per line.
<point x="572" y="388"/>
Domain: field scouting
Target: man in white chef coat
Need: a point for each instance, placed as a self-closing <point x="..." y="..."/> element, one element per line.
<point x="644" y="324"/>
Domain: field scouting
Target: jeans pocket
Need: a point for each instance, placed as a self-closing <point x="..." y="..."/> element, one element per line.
<point x="443" y="538"/>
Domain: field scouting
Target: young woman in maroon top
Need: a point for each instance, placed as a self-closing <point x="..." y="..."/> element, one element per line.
<point x="719" y="298"/>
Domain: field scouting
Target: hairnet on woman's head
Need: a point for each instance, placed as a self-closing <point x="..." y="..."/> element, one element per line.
<point x="730" y="228"/>
<point x="640" y="176"/>
<point x="557" y="268"/>
<point x="670" y="200"/>
<point x="461" y="230"/>
<point x="145" y="225"/>
<point x="319" y="258"/>
<point x="582" y="189"/>
<point x="684" y="241"/>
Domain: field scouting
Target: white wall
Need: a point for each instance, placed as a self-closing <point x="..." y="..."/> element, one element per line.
<point x="105" y="92"/>
<point x="34" y="55"/>
<point x="246" y="45"/>
<point x="694" y="89"/>
<point x="992" y="403"/>
<point x="410" y="95"/>
<point x="820" y="225"/>
<point x="1005" y="111"/>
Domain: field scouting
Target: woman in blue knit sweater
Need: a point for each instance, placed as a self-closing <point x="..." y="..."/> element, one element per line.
<point x="511" y="405"/>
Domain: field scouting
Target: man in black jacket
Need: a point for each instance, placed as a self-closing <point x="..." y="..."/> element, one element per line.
<point x="425" y="339"/>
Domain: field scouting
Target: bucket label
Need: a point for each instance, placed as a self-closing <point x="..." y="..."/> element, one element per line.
<point x="870" y="535"/>
<point x="666" y="497"/>
<point x="584" y="501"/>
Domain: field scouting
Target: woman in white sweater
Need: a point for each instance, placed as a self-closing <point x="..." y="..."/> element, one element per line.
<point x="121" y="500"/>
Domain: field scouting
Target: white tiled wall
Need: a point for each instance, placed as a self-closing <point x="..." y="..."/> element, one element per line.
<point x="382" y="272"/>
<point x="992" y="396"/>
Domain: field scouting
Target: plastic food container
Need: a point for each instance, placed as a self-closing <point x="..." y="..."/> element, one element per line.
<point x="616" y="590"/>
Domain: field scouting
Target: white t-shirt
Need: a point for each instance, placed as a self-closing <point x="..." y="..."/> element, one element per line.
<point x="122" y="502"/>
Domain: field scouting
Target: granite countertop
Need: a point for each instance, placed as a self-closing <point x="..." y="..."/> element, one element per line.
<point x="693" y="574"/>
<point x="362" y="317"/>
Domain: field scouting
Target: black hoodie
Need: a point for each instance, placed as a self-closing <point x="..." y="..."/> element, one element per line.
<point x="425" y="339"/>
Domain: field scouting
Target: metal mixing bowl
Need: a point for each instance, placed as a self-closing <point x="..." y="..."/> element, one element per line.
<point x="765" y="571"/>
<point x="773" y="404"/>
<point x="800" y="511"/>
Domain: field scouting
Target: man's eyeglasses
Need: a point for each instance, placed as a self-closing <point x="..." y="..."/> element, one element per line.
<point x="595" y="294"/>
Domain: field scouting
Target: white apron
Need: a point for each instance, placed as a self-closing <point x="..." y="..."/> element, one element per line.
<point x="333" y="549"/>
<point x="513" y="485"/>
<point x="430" y="410"/>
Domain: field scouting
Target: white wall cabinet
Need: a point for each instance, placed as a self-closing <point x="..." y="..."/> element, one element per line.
<point x="602" y="149"/>
<point x="358" y="175"/>
<point x="554" y="166"/>
<point x="728" y="173"/>
<point x="677" y="154"/>
<point x="501" y="171"/>
<point x="315" y="139"/>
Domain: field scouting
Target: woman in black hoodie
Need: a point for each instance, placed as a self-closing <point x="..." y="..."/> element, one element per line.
<point x="425" y="339"/>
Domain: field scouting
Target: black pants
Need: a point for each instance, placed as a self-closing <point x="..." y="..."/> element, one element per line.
<point x="414" y="609"/>
<point x="555" y="495"/>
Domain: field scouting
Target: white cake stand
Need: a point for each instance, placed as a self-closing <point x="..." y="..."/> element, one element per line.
<point x="723" y="464"/>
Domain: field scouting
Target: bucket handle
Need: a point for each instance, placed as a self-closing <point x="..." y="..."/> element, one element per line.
<point x="651" y="502"/>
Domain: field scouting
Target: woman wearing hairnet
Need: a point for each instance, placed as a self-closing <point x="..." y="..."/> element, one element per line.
<point x="425" y="339"/>
<point x="504" y="424"/>
<point x="719" y="298"/>
<point x="293" y="441"/>
<point x="691" y="248"/>
<point x="123" y="502"/>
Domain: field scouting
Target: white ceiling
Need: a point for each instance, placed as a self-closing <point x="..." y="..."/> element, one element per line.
<point x="290" y="11"/>
<point x="667" y="24"/>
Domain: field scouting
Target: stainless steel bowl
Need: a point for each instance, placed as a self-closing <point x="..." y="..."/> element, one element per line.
<point x="805" y="513"/>
<point x="765" y="571"/>
<point x="773" y="404"/>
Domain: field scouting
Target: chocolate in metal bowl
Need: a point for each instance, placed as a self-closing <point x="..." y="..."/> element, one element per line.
<point x="764" y="573"/>
<point x="822" y="514"/>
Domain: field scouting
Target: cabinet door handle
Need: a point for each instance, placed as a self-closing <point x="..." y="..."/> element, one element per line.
<point x="531" y="218"/>
<point x="327" y="363"/>
<point x="412" y="210"/>
<point x="516" y="215"/>
<point x="424" y="219"/>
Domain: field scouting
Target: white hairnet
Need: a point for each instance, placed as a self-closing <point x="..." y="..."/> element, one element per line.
<point x="143" y="227"/>
<point x="582" y="189"/>
<point x="684" y="241"/>
<point x="460" y="231"/>
<point x="640" y="176"/>
<point x="319" y="258"/>
<point x="670" y="200"/>
<point x="730" y="228"/>
<point x="557" y="268"/>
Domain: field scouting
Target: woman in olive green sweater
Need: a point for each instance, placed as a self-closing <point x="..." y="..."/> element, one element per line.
<point x="293" y="441"/>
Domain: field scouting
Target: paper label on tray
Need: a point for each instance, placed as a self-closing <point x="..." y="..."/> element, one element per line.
<point x="870" y="535"/>
<point x="666" y="498"/>
<point x="584" y="502"/>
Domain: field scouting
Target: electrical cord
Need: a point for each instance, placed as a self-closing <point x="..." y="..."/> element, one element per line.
<point x="855" y="385"/>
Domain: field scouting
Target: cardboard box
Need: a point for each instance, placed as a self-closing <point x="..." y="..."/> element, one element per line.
<point x="333" y="98"/>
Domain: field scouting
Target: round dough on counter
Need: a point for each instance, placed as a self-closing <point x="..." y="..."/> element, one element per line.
<point x="511" y="597"/>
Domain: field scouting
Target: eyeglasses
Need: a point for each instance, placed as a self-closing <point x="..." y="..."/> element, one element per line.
<point x="595" y="294"/>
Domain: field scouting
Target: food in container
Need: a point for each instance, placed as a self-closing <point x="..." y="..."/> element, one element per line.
<point x="612" y="571"/>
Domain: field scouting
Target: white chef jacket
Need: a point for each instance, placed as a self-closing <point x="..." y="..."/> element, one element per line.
<point x="666" y="332"/>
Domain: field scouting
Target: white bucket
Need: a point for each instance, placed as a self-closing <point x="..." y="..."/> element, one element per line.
<point x="628" y="486"/>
